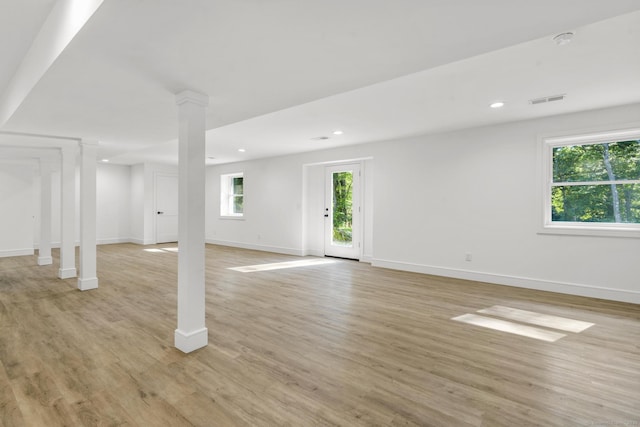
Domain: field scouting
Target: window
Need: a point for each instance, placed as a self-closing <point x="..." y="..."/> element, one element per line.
<point x="592" y="184"/>
<point x="232" y="195"/>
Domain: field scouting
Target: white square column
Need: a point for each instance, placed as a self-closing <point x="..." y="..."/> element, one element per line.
<point x="44" y="249"/>
<point x="68" y="213"/>
<point x="192" y="332"/>
<point x="88" y="277"/>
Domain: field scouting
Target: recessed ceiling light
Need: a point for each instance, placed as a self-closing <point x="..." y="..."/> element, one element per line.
<point x="564" y="38"/>
<point x="497" y="104"/>
<point x="337" y="132"/>
<point x="105" y="160"/>
<point x="242" y="150"/>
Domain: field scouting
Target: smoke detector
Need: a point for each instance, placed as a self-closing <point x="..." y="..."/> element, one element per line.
<point x="563" y="38"/>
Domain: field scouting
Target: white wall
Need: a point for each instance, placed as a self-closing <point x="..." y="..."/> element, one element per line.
<point x="137" y="204"/>
<point x="477" y="191"/>
<point x="17" y="207"/>
<point x="437" y="198"/>
<point x="20" y="206"/>
<point x="113" y="199"/>
<point x="284" y="203"/>
<point x="272" y="206"/>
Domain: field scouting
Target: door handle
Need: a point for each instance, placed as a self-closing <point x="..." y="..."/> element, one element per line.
<point x="160" y="213"/>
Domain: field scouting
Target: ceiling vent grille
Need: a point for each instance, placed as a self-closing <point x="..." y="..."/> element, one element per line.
<point x="546" y="99"/>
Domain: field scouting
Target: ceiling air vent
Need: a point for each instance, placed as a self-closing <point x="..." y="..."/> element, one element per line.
<point x="546" y="99"/>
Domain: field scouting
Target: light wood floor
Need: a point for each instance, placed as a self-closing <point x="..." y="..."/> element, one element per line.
<point x="340" y="344"/>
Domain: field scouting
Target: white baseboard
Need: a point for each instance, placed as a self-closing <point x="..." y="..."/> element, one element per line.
<point x="67" y="273"/>
<point x="88" y="283"/>
<point x="16" y="252"/>
<point x="113" y="241"/>
<point x="367" y="258"/>
<point x="313" y="252"/>
<point x="264" y="248"/>
<point x="45" y="260"/>
<point x="190" y="341"/>
<point x="613" y="294"/>
<point x="106" y="241"/>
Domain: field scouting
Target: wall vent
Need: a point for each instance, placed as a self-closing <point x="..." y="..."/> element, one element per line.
<point x="546" y="99"/>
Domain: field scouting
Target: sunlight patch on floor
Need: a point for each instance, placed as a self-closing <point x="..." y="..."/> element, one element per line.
<point x="511" y="327"/>
<point x="161" y="250"/>
<point x="281" y="265"/>
<point x="523" y="316"/>
<point x="546" y="320"/>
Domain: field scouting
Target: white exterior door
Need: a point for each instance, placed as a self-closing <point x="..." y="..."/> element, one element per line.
<point x="342" y="211"/>
<point x="166" y="208"/>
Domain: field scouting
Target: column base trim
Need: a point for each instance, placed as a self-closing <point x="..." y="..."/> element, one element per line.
<point x="87" y="284"/>
<point x="45" y="260"/>
<point x="67" y="273"/>
<point x="190" y="341"/>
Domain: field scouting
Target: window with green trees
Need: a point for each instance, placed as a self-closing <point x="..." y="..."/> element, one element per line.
<point x="596" y="182"/>
<point x="232" y="195"/>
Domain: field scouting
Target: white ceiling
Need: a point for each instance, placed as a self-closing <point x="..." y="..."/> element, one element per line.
<point x="281" y="72"/>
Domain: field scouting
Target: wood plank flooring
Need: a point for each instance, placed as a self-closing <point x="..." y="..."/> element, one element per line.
<point x="334" y="344"/>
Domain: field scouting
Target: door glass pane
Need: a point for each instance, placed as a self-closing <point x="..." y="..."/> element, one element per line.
<point x="342" y="208"/>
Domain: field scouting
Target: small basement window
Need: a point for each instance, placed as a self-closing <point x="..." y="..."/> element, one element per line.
<point x="232" y="195"/>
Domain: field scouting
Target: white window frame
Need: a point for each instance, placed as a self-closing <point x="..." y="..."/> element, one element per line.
<point x="548" y="226"/>
<point x="227" y="195"/>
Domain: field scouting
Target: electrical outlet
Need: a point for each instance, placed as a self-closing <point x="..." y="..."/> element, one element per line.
<point x="468" y="256"/>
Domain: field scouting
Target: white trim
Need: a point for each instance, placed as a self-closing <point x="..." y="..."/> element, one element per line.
<point x="367" y="259"/>
<point x="227" y="193"/>
<point x="594" y="137"/>
<point x="263" y="248"/>
<point x="45" y="260"/>
<point x="67" y="273"/>
<point x="137" y="241"/>
<point x="190" y="341"/>
<point x="622" y="295"/>
<point x="16" y="252"/>
<point x="313" y="252"/>
<point x="114" y="240"/>
<point x="105" y="241"/>
<point x="339" y="162"/>
<point x="596" y="230"/>
<point x="88" y="283"/>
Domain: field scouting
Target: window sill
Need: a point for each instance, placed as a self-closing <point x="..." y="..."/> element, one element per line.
<point x="601" y="230"/>
<point x="233" y="217"/>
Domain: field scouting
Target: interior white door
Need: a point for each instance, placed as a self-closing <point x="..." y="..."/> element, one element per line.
<point x="166" y="208"/>
<point x="342" y="211"/>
